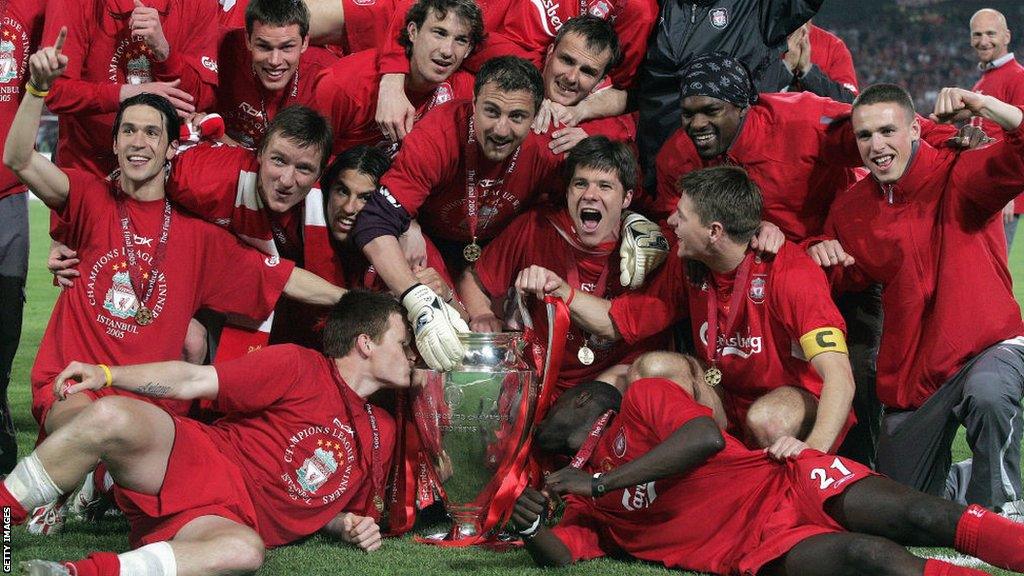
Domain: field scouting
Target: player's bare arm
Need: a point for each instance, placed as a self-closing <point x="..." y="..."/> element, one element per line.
<point x="836" y="398"/>
<point x="177" y="380"/>
<point x="307" y="287"/>
<point x="46" y="181"/>
<point x="951" y="102"/>
<point x="478" y="304"/>
<point x="528" y="518"/>
<point x="688" y="447"/>
<point x="587" y="311"/>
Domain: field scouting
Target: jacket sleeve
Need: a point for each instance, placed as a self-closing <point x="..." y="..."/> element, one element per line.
<point x="69" y="93"/>
<point x="779" y="18"/>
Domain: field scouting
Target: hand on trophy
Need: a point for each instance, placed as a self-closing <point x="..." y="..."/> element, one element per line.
<point x="539" y="281"/>
<point x="528" y="514"/>
<point x="436" y="326"/>
<point x="642" y="250"/>
<point x="568" y="481"/>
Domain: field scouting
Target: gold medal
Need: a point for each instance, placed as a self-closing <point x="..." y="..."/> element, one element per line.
<point x="712" y="376"/>
<point x="471" y="252"/>
<point x="585" y="355"/>
<point x="378" y="503"/>
<point x="144" y="316"/>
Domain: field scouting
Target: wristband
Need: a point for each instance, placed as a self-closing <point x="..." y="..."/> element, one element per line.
<point x="597" y="489"/>
<point x="34" y="90"/>
<point x="110" y="377"/>
<point x="572" y="294"/>
<point x="532" y="530"/>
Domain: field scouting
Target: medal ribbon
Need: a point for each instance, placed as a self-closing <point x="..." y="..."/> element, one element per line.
<point x="572" y="274"/>
<point x="587" y="449"/>
<point x="472" y="154"/>
<point x="739" y="288"/>
<point x="134" y="273"/>
<point x="376" y="461"/>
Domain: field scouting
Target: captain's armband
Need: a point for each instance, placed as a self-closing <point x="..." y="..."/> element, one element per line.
<point x="826" y="339"/>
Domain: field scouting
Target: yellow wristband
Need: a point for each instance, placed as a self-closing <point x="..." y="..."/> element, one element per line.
<point x="827" y="339"/>
<point x="31" y="89"/>
<point x="110" y="377"/>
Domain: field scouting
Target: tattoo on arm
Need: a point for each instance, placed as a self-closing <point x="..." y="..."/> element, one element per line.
<point x="154" y="389"/>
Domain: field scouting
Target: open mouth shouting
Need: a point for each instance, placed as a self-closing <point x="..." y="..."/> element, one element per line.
<point x="590" y="219"/>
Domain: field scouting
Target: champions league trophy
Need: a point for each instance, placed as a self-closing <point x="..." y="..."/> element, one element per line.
<point x="474" y="424"/>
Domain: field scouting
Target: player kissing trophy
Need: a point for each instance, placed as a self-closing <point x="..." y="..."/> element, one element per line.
<point x="475" y="423"/>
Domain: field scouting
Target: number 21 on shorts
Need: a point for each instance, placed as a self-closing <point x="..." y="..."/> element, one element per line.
<point x="826" y="476"/>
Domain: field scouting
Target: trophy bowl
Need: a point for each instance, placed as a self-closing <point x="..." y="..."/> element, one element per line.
<point x="473" y="422"/>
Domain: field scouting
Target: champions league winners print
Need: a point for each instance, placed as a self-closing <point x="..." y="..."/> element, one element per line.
<point x="318" y="463"/>
<point x="110" y="293"/>
<point x="13" y="57"/>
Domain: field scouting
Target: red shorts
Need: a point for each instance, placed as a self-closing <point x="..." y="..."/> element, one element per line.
<point x="200" y="481"/>
<point x="812" y="479"/>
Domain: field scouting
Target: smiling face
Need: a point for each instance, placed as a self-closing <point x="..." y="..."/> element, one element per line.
<point x="392" y="360"/>
<point x="502" y="120"/>
<point x="990" y="37"/>
<point x="885" y="138"/>
<point x="711" y="123"/>
<point x="438" y="47"/>
<point x="347" y="197"/>
<point x="596" y="200"/>
<point x="275" y="53"/>
<point x="694" y="237"/>
<point x="571" y="70"/>
<point x="141" y="146"/>
<point x="287" y="172"/>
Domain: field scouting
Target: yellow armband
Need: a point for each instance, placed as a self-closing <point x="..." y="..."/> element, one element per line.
<point x="827" y="339"/>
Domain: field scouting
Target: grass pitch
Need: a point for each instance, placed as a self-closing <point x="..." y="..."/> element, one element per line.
<point x="317" y="555"/>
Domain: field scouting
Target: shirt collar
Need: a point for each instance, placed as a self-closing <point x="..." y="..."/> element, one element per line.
<point x="997" y="62"/>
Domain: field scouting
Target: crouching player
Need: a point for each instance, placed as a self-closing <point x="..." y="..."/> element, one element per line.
<point x="652" y="485"/>
<point x="299" y="449"/>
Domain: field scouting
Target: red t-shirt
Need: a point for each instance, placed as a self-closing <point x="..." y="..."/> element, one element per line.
<point x="302" y="439"/>
<point x="102" y="56"/>
<point x="784" y="299"/>
<point x="428" y="177"/>
<point x="536" y="238"/>
<point x="793" y="148"/>
<point x="731" y="515"/>
<point x="346" y="93"/>
<point x="830" y="54"/>
<point x="218" y="183"/>
<point x="1005" y="82"/>
<point x="94" y="321"/>
<point x="21" y="27"/>
<point x="247" y="107"/>
<point x="529" y="28"/>
<point x="935" y="242"/>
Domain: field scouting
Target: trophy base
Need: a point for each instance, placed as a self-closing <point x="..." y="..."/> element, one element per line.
<point x="465" y="522"/>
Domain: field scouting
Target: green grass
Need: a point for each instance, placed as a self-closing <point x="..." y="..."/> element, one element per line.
<point x="317" y="555"/>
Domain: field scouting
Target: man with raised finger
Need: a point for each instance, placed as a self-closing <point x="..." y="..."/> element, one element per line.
<point x="117" y="49"/>
<point x="952" y="351"/>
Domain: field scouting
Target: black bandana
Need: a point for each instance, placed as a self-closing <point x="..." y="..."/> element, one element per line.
<point x="718" y="75"/>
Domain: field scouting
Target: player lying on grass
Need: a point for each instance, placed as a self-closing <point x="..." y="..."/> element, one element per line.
<point x="661" y="482"/>
<point x="298" y="450"/>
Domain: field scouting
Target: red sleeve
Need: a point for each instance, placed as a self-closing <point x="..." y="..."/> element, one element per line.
<point x="799" y="294"/>
<point x="621" y="127"/>
<point x="659" y="303"/>
<point x="505" y="256"/>
<point x="427" y="158"/>
<point x="86" y="190"/>
<point x="333" y="98"/>
<point x="840" y="67"/>
<point x="578" y="530"/>
<point x="633" y="26"/>
<point x="204" y="179"/>
<point x="239" y="279"/>
<point x="991" y="176"/>
<point x="193" y="56"/>
<point x="392" y="59"/>
<point x="662" y="405"/>
<point x="243" y="385"/>
<point x="69" y="93"/>
<point x="676" y="158"/>
<point x="498" y="44"/>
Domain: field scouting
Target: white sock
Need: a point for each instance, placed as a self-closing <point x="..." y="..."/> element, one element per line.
<point x="30" y="484"/>
<point x="151" y="560"/>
